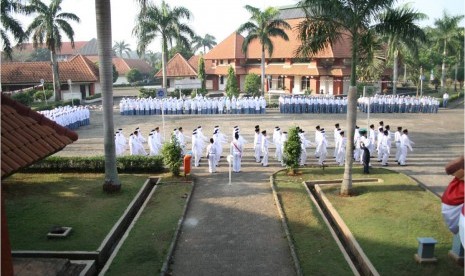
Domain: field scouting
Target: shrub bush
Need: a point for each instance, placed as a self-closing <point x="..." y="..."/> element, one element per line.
<point x="25" y="97"/>
<point x="125" y="164"/>
<point x="133" y="75"/>
<point x="146" y="93"/>
<point x="95" y="96"/>
<point x="39" y="95"/>
<point x="172" y="155"/>
<point x="252" y="84"/>
<point x="292" y="150"/>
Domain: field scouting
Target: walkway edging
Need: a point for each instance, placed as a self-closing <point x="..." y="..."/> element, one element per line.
<point x="177" y="234"/>
<point x="295" y="259"/>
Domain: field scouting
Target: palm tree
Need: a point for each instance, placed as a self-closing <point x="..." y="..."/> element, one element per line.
<point x="204" y="42"/>
<point x="330" y="20"/>
<point x="263" y="26"/>
<point x="103" y="15"/>
<point x="10" y="24"/>
<point x="121" y="46"/>
<point x="47" y="26"/>
<point x="398" y="43"/>
<point x="164" y="22"/>
<point x="447" y="31"/>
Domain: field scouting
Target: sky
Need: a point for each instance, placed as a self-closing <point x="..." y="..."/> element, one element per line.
<point x="219" y="18"/>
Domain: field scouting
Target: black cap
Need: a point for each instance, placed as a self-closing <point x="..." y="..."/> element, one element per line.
<point x="341" y="132"/>
<point x="257" y="126"/>
<point x="317" y="127"/>
<point x="399" y="128"/>
<point x="381" y="123"/>
<point x="336" y="125"/>
<point x="157" y="128"/>
<point x="264" y="132"/>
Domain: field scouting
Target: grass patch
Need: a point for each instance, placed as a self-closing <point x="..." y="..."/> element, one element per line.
<point x="316" y="249"/>
<point x="146" y="247"/>
<point x="36" y="202"/>
<point x="386" y="219"/>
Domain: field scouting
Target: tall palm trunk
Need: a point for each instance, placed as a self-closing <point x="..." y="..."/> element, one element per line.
<point x="346" y="186"/>
<point x="262" y="64"/>
<point x="56" y="76"/>
<point x="394" y="71"/>
<point x="443" y="73"/>
<point x="103" y="15"/>
<point x="405" y="73"/>
<point x="164" y="61"/>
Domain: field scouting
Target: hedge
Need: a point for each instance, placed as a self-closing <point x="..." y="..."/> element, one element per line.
<point x="125" y="164"/>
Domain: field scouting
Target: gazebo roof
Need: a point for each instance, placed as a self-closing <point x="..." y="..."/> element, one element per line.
<point x="28" y="136"/>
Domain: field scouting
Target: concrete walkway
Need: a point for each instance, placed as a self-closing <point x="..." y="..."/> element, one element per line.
<point x="232" y="229"/>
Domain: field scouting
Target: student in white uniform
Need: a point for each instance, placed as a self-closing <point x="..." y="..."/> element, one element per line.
<point x="257" y="144"/>
<point x="211" y="156"/>
<point x="264" y="148"/>
<point x="236" y="151"/>
<point x="405" y="144"/>
<point x="341" y="149"/>
<point x="397" y="136"/>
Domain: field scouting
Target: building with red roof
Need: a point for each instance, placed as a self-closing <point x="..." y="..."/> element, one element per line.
<point x="82" y="72"/>
<point x="326" y="72"/>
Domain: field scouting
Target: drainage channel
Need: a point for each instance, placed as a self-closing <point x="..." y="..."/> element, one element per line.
<point x="354" y="261"/>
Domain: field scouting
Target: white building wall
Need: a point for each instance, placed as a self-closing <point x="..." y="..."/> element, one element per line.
<point x="345" y="85"/>
<point x="326" y="83"/>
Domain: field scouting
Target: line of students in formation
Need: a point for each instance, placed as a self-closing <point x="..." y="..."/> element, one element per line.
<point x="312" y="104"/>
<point x="196" y="105"/>
<point x="377" y="143"/>
<point x="398" y="104"/>
<point x="71" y="117"/>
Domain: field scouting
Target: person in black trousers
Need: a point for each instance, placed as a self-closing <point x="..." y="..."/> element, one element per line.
<point x="366" y="158"/>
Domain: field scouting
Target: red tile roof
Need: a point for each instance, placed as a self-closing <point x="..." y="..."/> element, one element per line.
<point x="230" y="48"/>
<point x="28" y="136"/>
<point x="286" y="49"/>
<point x="178" y="66"/>
<point x="66" y="48"/>
<point x="123" y="65"/>
<point x="78" y="69"/>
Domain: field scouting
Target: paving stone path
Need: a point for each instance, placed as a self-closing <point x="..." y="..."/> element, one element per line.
<point x="232" y="229"/>
<point x="235" y="230"/>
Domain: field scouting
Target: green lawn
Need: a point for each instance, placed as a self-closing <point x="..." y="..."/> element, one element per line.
<point x="386" y="219"/>
<point x="36" y="202"/>
<point x="146" y="247"/>
<point x="317" y="251"/>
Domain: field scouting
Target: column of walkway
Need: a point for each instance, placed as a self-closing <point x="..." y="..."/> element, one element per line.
<point x="232" y="229"/>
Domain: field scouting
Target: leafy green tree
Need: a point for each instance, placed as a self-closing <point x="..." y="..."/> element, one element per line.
<point x="39" y="54"/>
<point x="103" y="16"/>
<point x="10" y="24"/>
<point x="164" y="23"/>
<point x="46" y="27"/>
<point x="252" y="84"/>
<point x="115" y="73"/>
<point x="40" y="95"/>
<point x="201" y="72"/>
<point x="292" y="150"/>
<point x="172" y="155"/>
<point x="186" y="52"/>
<point x="447" y="32"/>
<point x="208" y="41"/>
<point x="232" y="88"/>
<point x="263" y="26"/>
<point x="398" y="43"/>
<point x="121" y="47"/>
<point x="133" y="75"/>
<point x="327" y="21"/>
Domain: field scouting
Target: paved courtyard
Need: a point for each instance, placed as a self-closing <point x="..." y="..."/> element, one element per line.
<point x="235" y="229"/>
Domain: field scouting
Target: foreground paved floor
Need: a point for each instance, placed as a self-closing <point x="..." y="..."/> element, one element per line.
<point x="232" y="229"/>
<point x="235" y="230"/>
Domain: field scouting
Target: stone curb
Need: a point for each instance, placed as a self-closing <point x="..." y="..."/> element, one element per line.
<point x="365" y="263"/>
<point x="126" y="233"/>
<point x="331" y="230"/>
<point x="177" y="234"/>
<point x="106" y="247"/>
<point x="295" y="259"/>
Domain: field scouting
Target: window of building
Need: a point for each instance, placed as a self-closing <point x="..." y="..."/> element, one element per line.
<point x="168" y="83"/>
<point x="221" y="61"/>
<point x="305" y="83"/>
<point x="221" y="79"/>
<point x="281" y="82"/>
